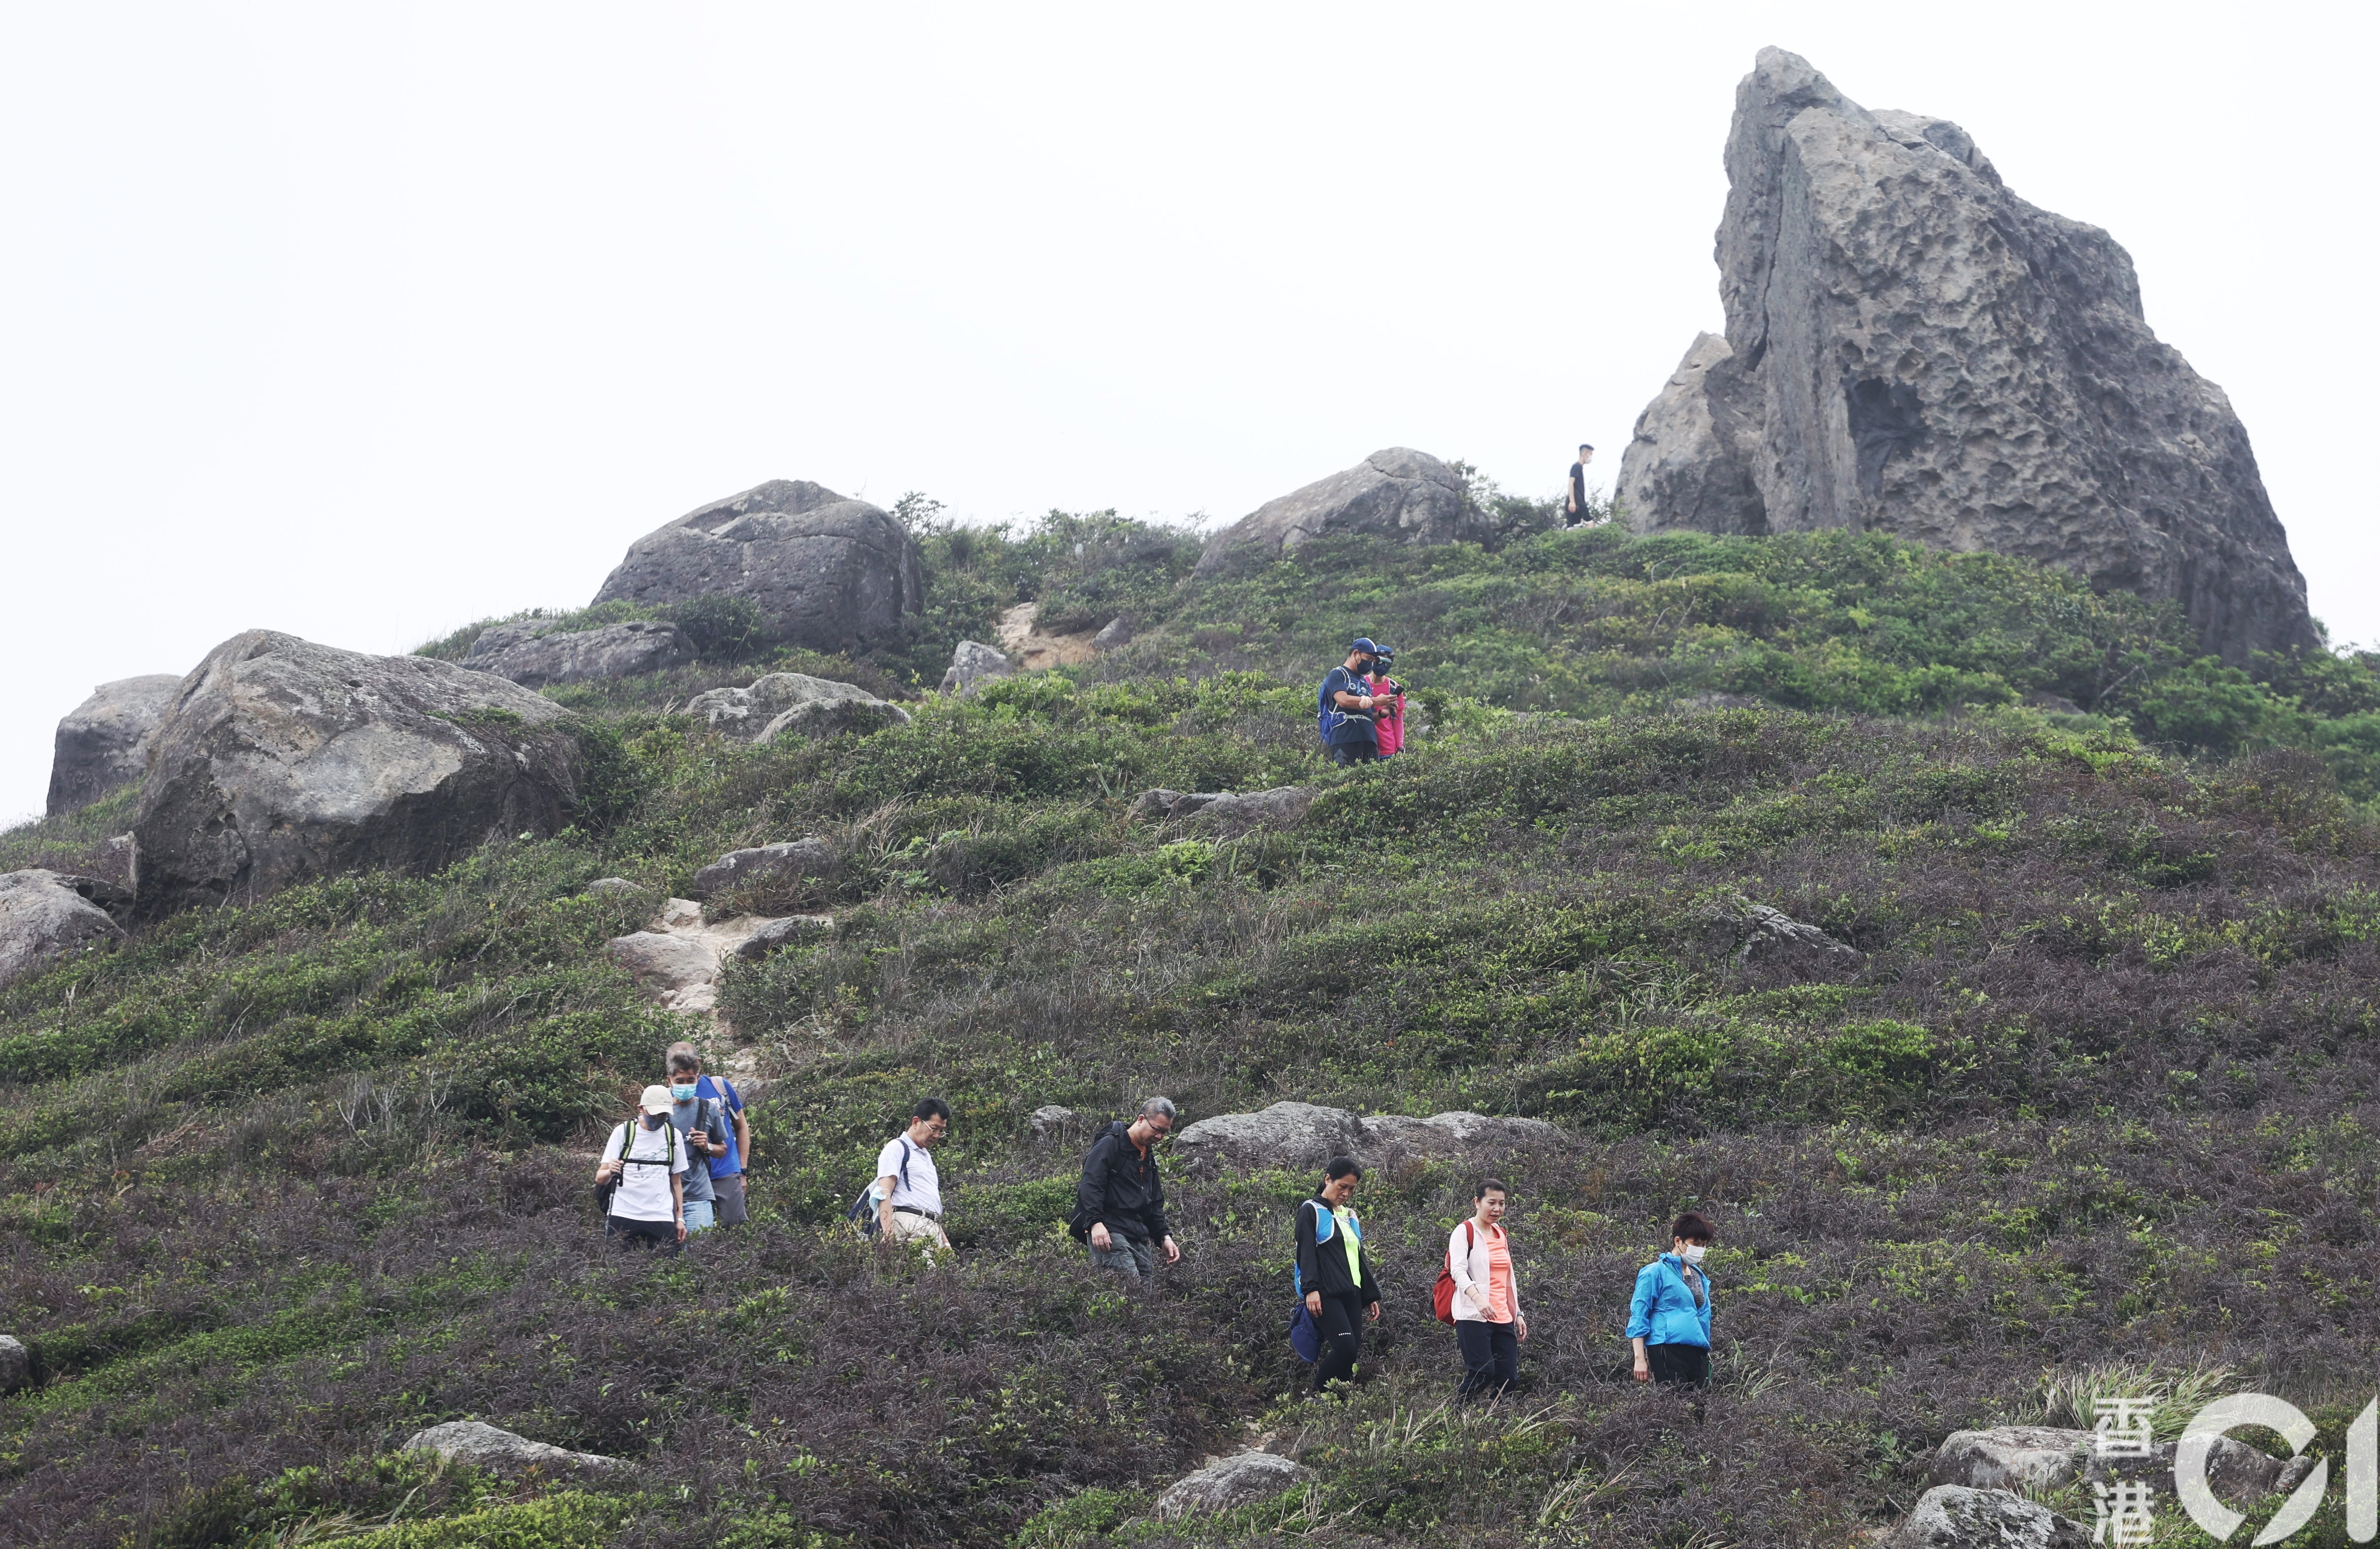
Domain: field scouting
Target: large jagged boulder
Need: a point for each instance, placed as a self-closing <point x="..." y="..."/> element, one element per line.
<point x="472" y="1441"/>
<point x="1911" y="348"/>
<point x="1236" y="1481"/>
<point x="1953" y="1516"/>
<point x="826" y="572"/>
<point x="284" y="760"/>
<point x="534" y="653"/>
<point x="1399" y="494"/>
<point x="1300" y="1135"/>
<point x="103" y="743"/>
<point x="44" y="917"/>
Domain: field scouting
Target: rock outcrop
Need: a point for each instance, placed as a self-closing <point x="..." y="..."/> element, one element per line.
<point x="826" y="572"/>
<point x="45" y="917"/>
<point x="1953" y="1517"/>
<point x="678" y="958"/>
<point x="284" y="760"/>
<point x="1230" y="1482"/>
<point x="103" y="743"/>
<point x="534" y="653"/>
<point x="1399" y="494"/>
<point x="746" y="713"/>
<point x="1229" y="812"/>
<point x="16" y="1363"/>
<point x="2022" y="1459"/>
<point x="1754" y="932"/>
<point x="1911" y="348"/>
<point x="788" y="862"/>
<point x="1305" y="1135"/>
<point x="973" y="665"/>
<point x="819" y="719"/>
<point x="469" y="1441"/>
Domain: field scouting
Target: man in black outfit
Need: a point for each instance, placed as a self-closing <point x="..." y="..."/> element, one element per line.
<point x="1575" y="512"/>
<point x="1122" y="1201"/>
<point x="1346" y="708"/>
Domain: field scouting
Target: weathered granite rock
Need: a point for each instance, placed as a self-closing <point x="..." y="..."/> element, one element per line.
<point x="827" y="572"/>
<point x="2238" y="1472"/>
<point x="2015" y="1458"/>
<point x="284" y="760"/>
<point x="103" y="743"/>
<point x="1398" y="495"/>
<point x="16" y="1364"/>
<point x="1953" y="1517"/>
<point x="746" y="713"/>
<point x="1305" y="1135"/>
<point x="1230" y="1482"/>
<point x="789" y="861"/>
<point x="43" y="919"/>
<point x="1115" y="634"/>
<point x="973" y="665"/>
<point x="1049" y="1122"/>
<point x="1911" y="348"/>
<point x="472" y="1442"/>
<point x="1756" y="933"/>
<point x="678" y="958"/>
<point x="776" y="934"/>
<point x="1232" y="811"/>
<point x="534" y="653"/>
<point x="821" y="719"/>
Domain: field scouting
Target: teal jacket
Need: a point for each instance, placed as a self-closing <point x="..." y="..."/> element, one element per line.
<point x="1663" y="1311"/>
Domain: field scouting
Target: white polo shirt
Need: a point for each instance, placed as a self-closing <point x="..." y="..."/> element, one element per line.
<point x="923" y="1187"/>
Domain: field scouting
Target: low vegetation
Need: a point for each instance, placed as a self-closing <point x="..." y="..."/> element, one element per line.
<point x="292" y="1182"/>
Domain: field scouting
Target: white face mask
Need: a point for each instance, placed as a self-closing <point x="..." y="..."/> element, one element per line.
<point x="1692" y="1253"/>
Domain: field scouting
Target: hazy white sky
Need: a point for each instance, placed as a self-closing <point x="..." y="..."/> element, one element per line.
<point x="362" y="321"/>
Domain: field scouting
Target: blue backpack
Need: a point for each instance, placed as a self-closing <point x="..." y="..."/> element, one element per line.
<point x="1304" y="1335"/>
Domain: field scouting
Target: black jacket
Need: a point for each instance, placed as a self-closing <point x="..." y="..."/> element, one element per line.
<point x="1121" y="1188"/>
<point x="1322" y="1266"/>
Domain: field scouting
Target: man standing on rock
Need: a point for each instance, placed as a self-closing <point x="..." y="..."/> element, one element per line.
<point x="1347" y="707"/>
<point x="1576" y="511"/>
<point x="1122" y="1201"/>
<point x="908" y="1191"/>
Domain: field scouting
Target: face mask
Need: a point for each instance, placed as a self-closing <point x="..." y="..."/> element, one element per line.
<point x="684" y="1093"/>
<point x="1692" y="1253"/>
<point x="654" y="1121"/>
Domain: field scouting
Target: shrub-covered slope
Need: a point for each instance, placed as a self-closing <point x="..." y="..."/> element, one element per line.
<point x="291" y="1182"/>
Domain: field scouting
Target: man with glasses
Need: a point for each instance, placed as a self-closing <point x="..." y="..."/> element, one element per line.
<point x="908" y="1190"/>
<point x="1122" y="1200"/>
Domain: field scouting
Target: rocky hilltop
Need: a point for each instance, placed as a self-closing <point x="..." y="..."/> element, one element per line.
<point x="1912" y="348"/>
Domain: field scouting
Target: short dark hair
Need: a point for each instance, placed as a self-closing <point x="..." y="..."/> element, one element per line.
<point x="1340" y="1167"/>
<point x="931" y="1107"/>
<point x="685" y="1062"/>
<point x="1695" y="1226"/>
<point x="1485" y="1185"/>
<point x="1586" y="446"/>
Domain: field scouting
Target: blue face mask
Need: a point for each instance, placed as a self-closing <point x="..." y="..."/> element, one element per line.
<point x="684" y="1093"/>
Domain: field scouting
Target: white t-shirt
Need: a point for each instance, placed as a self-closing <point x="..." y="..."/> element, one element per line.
<point x="644" y="1192"/>
<point x="924" y="1188"/>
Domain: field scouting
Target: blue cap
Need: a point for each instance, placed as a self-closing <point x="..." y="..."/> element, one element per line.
<point x="1366" y="646"/>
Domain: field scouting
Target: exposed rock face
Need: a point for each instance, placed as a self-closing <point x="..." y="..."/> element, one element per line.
<point x="1399" y="494"/>
<point x="1911" y="348"/>
<point x="771" y="935"/>
<point x="1230" y="812"/>
<point x="1304" y="1135"/>
<point x="533" y="653"/>
<point x="819" y="719"/>
<point x="2013" y="1457"/>
<point x="1230" y="1482"/>
<point x="489" y="1447"/>
<point x="2238" y="1472"/>
<point x="103" y="743"/>
<point x="1755" y="933"/>
<point x="827" y="572"/>
<point x="744" y="714"/>
<point x="789" y="861"/>
<point x="678" y="958"/>
<point x="1114" y="635"/>
<point x="44" y="917"/>
<point x="1953" y="1517"/>
<point x="973" y="665"/>
<point x="284" y="760"/>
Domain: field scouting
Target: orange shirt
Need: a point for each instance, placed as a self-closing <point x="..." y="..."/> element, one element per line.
<point x="1499" y="1276"/>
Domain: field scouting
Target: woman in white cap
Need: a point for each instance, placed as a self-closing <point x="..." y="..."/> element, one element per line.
<point x="642" y="1179"/>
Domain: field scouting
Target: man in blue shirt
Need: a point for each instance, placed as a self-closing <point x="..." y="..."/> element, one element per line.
<point x="727" y="1166"/>
<point x="1344" y="708"/>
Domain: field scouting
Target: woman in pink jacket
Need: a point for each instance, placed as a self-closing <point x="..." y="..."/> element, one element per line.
<point x="1389" y="719"/>
<point x="1488" y="1320"/>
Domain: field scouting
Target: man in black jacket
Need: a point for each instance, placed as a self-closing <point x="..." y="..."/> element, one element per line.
<point x="1122" y="1201"/>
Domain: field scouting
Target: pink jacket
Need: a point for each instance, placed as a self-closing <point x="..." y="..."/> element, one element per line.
<point x="1389" y="729"/>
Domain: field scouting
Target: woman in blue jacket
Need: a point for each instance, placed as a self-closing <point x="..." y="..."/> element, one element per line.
<point x="1670" y="1319"/>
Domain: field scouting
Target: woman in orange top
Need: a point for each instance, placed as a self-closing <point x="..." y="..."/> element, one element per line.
<point x="1488" y="1317"/>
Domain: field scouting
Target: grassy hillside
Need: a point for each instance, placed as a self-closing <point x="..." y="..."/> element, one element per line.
<point x="291" y="1182"/>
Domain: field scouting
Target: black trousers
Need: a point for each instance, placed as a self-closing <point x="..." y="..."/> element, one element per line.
<point x="1491" y="1357"/>
<point x="1355" y="752"/>
<point x="1682" y="1365"/>
<point x="1342" y="1327"/>
<point x="643" y="1234"/>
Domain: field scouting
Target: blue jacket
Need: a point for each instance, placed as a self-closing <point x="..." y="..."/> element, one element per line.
<point x="1663" y="1309"/>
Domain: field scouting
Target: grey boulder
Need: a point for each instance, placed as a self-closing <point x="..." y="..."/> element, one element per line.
<point x="533" y="653"/>
<point x="284" y="760"/>
<point x="469" y="1441"/>
<point x="746" y="713"/>
<point x="44" y="918"/>
<point x="1299" y="1135"/>
<point x="1399" y="495"/>
<point x="2238" y="1472"/>
<point x="973" y="665"/>
<point x="1237" y="1481"/>
<point x="103" y="743"/>
<point x="1911" y="348"/>
<point x="787" y="862"/>
<point x="610" y="886"/>
<point x="1232" y="811"/>
<point x="777" y="934"/>
<point x="821" y="719"/>
<point x="2016" y="1458"/>
<point x="826" y="572"/>
<point x="1049" y="1122"/>
<point x="1756" y="933"/>
<point x="1953" y="1516"/>
<point x="1114" y="635"/>
<point x="16" y="1364"/>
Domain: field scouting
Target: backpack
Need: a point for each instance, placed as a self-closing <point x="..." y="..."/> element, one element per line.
<point x="610" y="1186"/>
<point x="1441" y="1295"/>
<point x="1079" y="1223"/>
<point x="862" y="1212"/>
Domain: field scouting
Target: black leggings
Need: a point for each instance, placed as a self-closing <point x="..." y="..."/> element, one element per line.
<point x="1342" y="1327"/>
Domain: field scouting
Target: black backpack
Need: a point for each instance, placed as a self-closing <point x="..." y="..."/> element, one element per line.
<point x="1079" y="1223"/>
<point x="605" y="1188"/>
